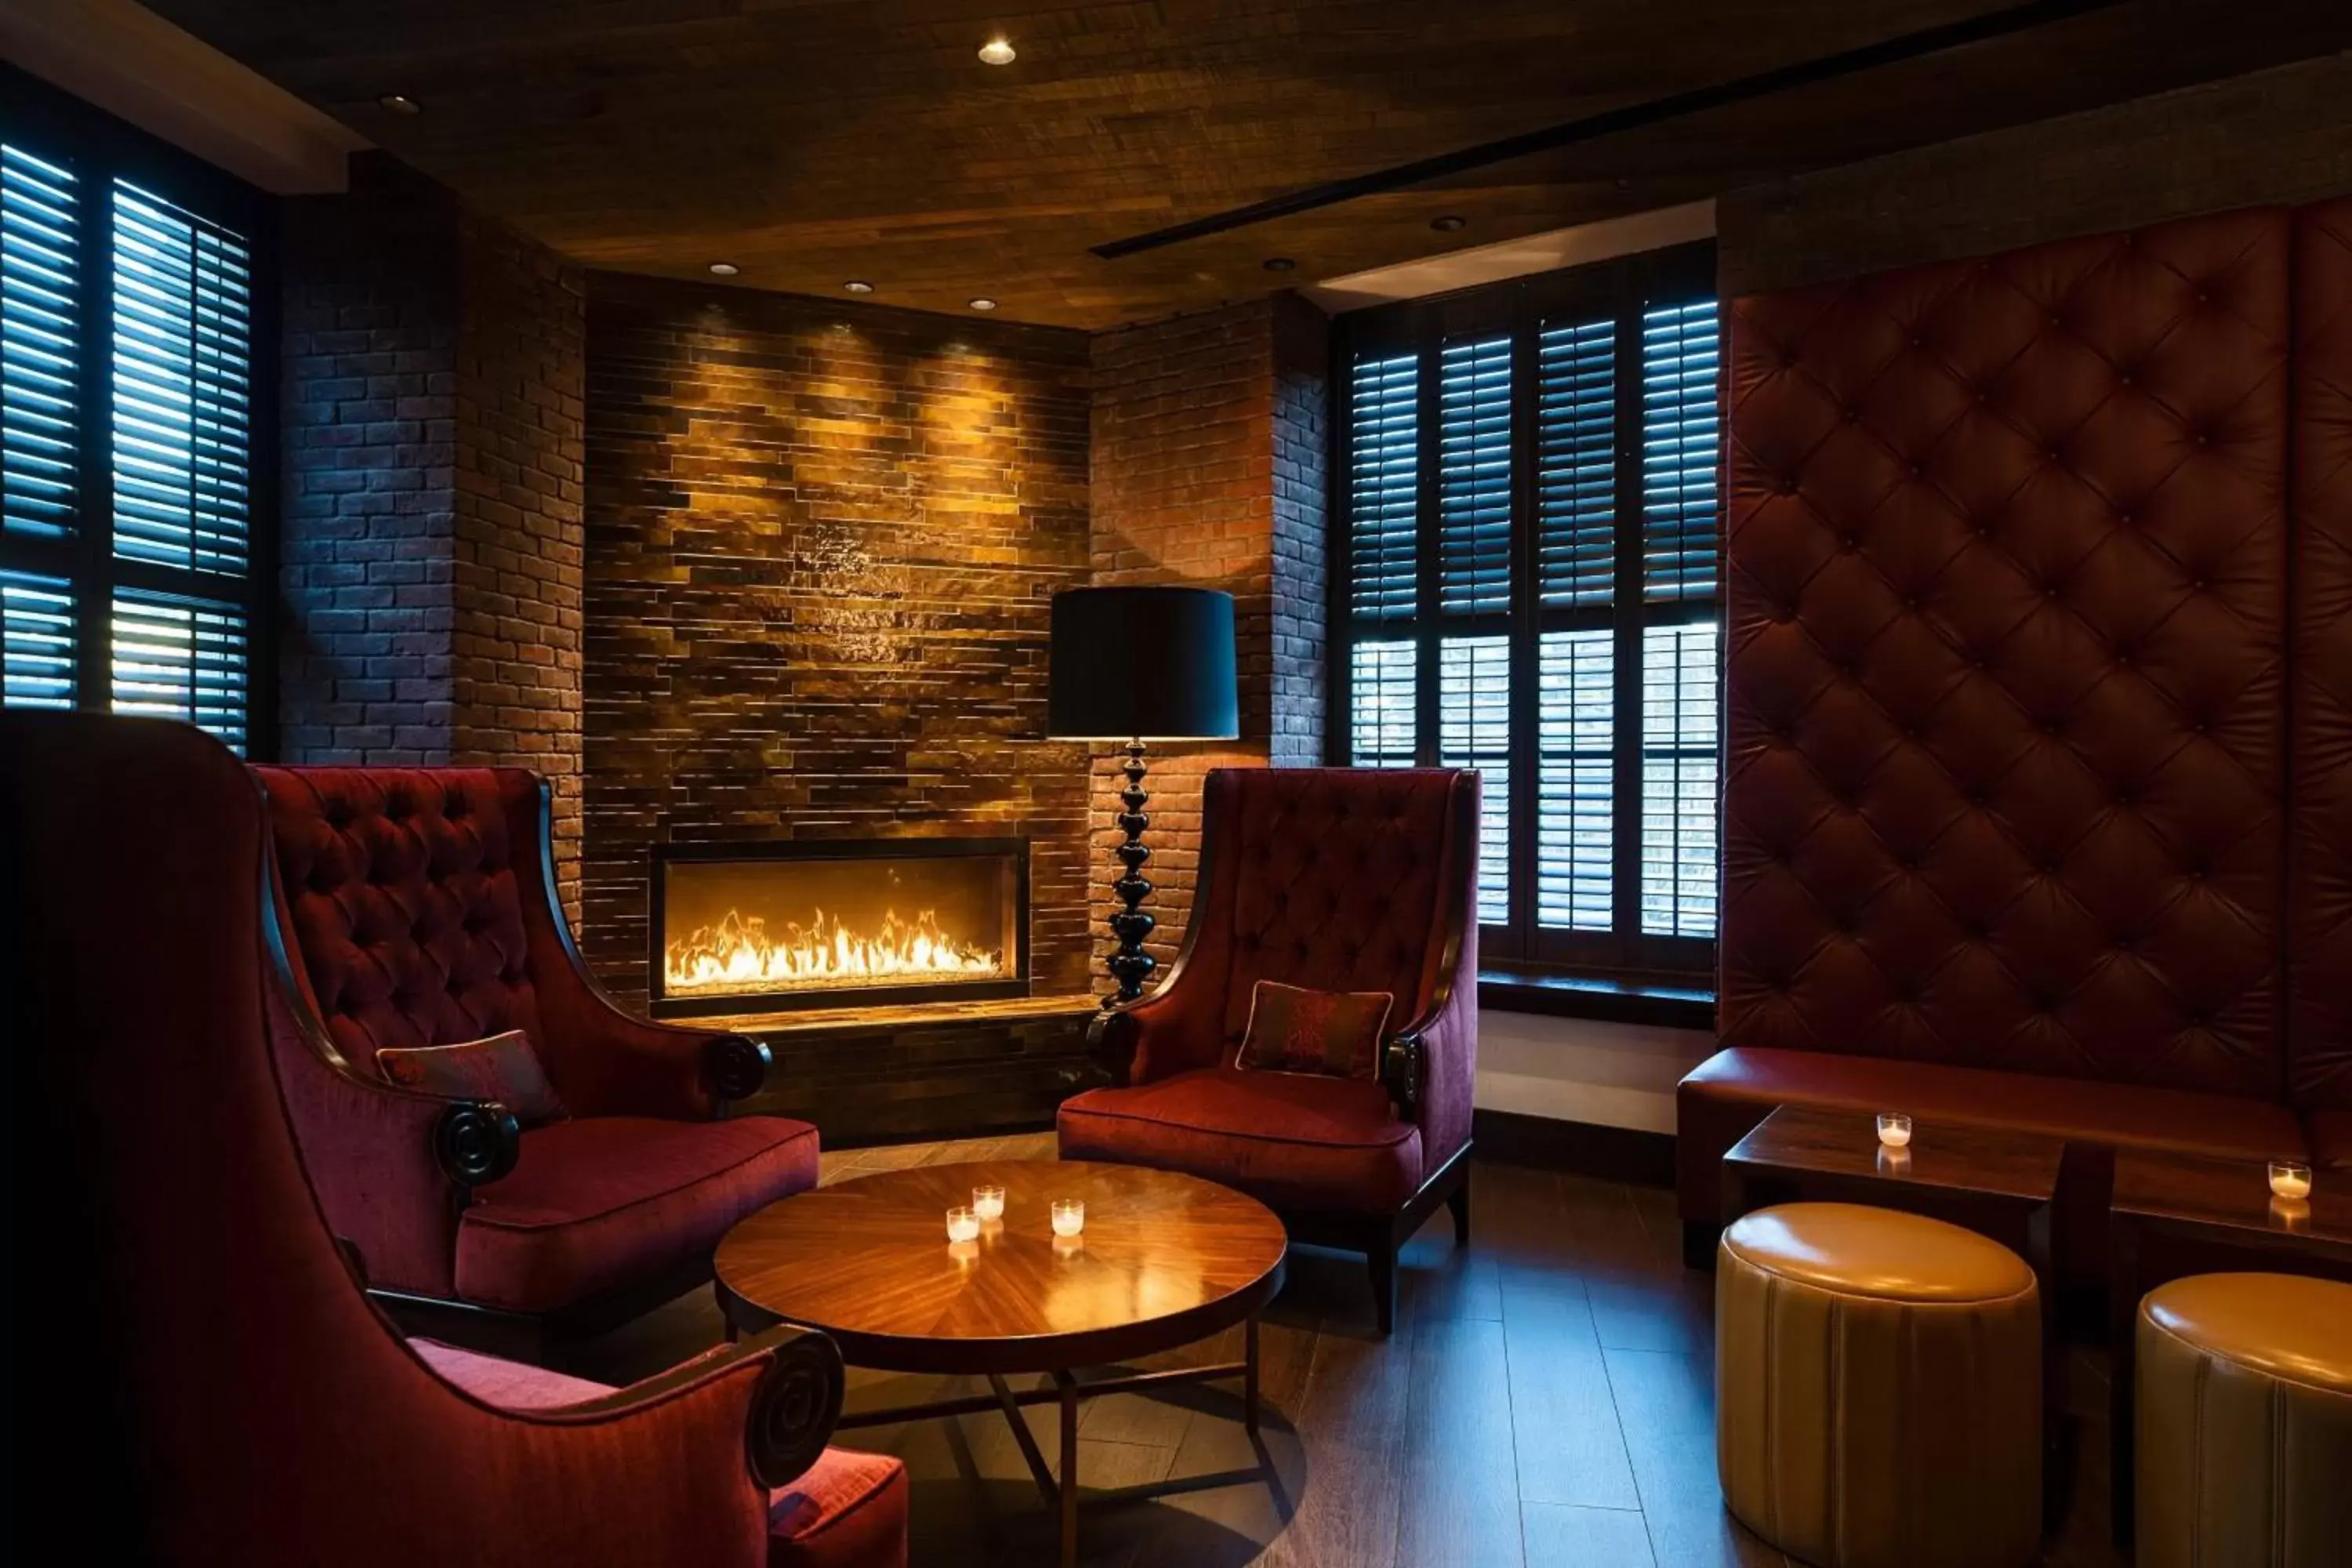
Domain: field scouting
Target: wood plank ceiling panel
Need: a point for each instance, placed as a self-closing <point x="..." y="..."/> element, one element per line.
<point x="809" y="141"/>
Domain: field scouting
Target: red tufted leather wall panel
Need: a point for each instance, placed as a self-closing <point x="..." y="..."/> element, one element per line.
<point x="2319" y="887"/>
<point x="402" y="893"/>
<point x="2005" y="689"/>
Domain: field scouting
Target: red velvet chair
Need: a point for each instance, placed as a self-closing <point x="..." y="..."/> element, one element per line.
<point x="416" y="907"/>
<point x="1335" y="880"/>
<point x="206" y="1382"/>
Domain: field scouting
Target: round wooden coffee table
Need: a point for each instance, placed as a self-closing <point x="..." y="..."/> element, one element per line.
<point x="1165" y="1259"/>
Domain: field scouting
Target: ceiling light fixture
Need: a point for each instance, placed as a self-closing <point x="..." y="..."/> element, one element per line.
<point x="997" y="52"/>
<point x="1278" y="264"/>
<point x="398" y="103"/>
<point x="724" y="269"/>
<point x="982" y="303"/>
<point x="859" y="286"/>
<point x="1450" y="223"/>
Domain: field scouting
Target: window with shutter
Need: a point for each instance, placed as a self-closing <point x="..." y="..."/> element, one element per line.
<point x="1575" y="462"/>
<point x="1473" y="731"/>
<point x="130" y="420"/>
<point x="1384" y="488"/>
<point x="182" y="333"/>
<point x="181" y="659"/>
<point x="40" y="346"/>
<point x="1528" y="585"/>
<point x="1474" y="482"/>
<point x="37" y="640"/>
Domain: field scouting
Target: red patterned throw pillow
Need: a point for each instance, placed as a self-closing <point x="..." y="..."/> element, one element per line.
<point x="1335" y="1034"/>
<point x="502" y="1067"/>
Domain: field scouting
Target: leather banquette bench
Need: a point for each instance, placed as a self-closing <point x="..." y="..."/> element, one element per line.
<point x="2038" y="795"/>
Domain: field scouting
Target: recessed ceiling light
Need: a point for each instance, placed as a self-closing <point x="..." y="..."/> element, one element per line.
<point x="997" y="52"/>
<point x="724" y="269"/>
<point x="1278" y="264"/>
<point x="982" y="303"/>
<point x="859" y="286"/>
<point x="397" y="104"/>
<point x="1449" y="224"/>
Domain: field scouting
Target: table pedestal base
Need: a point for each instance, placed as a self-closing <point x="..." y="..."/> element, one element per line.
<point x="1061" y="1492"/>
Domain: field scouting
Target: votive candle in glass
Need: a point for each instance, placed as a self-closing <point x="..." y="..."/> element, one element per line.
<point x="2290" y="1179"/>
<point x="988" y="1202"/>
<point x="962" y="1224"/>
<point x="1894" y="1130"/>
<point x="1069" y="1216"/>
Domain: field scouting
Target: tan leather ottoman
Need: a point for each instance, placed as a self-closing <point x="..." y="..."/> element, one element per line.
<point x="2244" y="1422"/>
<point x="1878" y="1389"/>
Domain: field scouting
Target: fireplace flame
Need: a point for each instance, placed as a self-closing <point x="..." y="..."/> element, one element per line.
<point x="739" y="954"/>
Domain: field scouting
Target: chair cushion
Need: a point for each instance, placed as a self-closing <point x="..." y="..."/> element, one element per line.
<point x="1333" y="1034"/>
<point x="848" y="1511"/>
<point x="604" y="1201"/>
<point x="1288" y="1139"/>
<point x="2331" y="1139"/>
<point x="502" y="1067"/>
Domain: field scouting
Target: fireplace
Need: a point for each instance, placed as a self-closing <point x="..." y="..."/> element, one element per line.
<point x="752" y="928"/>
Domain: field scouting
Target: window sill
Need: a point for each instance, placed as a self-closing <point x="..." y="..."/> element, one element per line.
<point x="1654" y="1002"/>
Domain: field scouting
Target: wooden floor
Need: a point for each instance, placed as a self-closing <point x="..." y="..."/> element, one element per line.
<point x="1546" y="1402"/>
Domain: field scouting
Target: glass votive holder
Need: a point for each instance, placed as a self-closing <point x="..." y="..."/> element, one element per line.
<point x="1894" y="1130"/>
<point x="988" y="1202"/>
<point x="962" y="1224"/>
<point x="1069" y="1216"/>
<point x="2290" y="1179"/>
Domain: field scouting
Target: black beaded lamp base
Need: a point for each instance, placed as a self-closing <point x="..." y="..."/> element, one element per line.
<point x="1130" y="965"/>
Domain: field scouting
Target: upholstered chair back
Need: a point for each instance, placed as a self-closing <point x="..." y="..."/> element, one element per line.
<point x="1332" y="878"/>
<point x="404" y="891"/>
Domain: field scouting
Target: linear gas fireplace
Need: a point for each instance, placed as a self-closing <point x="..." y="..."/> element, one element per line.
<point x="748" y="928"/>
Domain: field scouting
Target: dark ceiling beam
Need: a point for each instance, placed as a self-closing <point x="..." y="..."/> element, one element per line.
<point x="1896" y="50"/>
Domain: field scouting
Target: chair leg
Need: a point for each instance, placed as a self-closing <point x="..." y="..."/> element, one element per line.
<point x="1381" y="1260"/>
<point x="1458" y="1199"/>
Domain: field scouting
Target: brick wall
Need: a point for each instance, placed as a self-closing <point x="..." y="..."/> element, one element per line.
<point x="822" y="542"/>
<point x="2282" y="135"/>
<point x="520" y="617"/>
<point x="368" y="435"/>
<point x="1207" y="469"/>
<point x="430" y="573"/>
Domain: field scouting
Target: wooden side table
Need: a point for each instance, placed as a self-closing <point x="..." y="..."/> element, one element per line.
<point x="2176" y="1214"/>
<point x="1998" y="1183"/>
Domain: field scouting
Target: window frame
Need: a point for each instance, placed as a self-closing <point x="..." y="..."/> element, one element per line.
<point x="1620" y="289"/>
<point x="99" y="149"/>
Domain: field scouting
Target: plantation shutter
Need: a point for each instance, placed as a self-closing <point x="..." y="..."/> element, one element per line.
<point x="1383" y="684"/>
<point x="1576" y="463"/>
<point x="1576" y="780"/>
<point x="39" y="347"/>
<point x="37" y="640"/>
<point x="1679" y="428"/>
<point x="181" y="657"/>
<point x="1383" y="485"/>
<point x="183" y="327"/>
<point x="1473" y="731"/>
<point x="1473" y="477"/>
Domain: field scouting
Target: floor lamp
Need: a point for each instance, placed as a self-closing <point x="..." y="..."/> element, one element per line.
<point x="1130" y="666"/>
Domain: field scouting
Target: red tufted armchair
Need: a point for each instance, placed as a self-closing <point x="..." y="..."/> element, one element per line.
<point x="1335" y="880"/>
<point x="211" y="1385"/>
<point x="416" y="907"/>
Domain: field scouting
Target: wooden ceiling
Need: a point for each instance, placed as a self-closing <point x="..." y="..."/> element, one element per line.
<point x="809" y="141"/>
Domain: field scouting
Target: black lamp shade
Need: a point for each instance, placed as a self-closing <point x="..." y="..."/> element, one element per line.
<point x="1143" y="664"/>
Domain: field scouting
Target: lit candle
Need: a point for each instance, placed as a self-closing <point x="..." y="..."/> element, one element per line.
<point x="1069" y="1217"/>
<point x="1894" y="1129"/>
<point x="988" y="1202"/>
<point x="962" y="1224"/>
<point x="2290" y="1179"/>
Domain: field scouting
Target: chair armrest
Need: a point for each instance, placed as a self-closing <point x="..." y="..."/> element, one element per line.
<point x="1403" y="1065"/>
<point x="792" y="1410"/>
